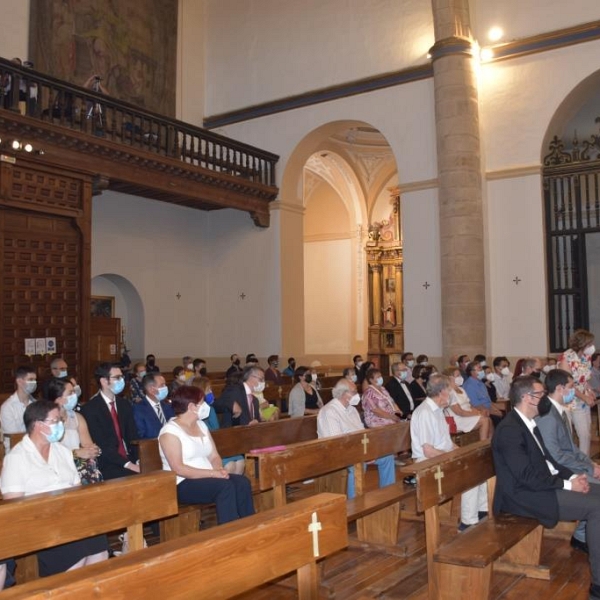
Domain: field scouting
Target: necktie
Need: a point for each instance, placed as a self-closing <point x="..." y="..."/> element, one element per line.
<point x="115" y="419"/>
<point x="160" y="414"/>
<point x="251" y="406"/>
<point x="566" y="422"/>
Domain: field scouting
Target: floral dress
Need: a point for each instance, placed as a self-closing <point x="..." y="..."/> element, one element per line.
<point x="580" y="369"/>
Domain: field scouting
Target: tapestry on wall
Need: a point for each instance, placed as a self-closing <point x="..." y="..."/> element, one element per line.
<point x="131" y="45"/>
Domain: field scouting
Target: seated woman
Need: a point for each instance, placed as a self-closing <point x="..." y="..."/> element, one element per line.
<point x="378" y="407"/>
<point x="361" y="381"/>
<point x="465" y="416"/>
<point x="232" y="464"/>
<point x="417" y="385"/>
<point x="38" y="463"/>
<point x="186" y="447"/>
<point x="304" y="398"/>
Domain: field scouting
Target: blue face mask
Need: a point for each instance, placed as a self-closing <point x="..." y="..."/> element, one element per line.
<point x="62" y="374"/>
<point x="481" y="375"/>
<point x="71" y="402"/>
<point x="209" y="398"/>
<point x="57" y="430"/>
<point x="379" y="381"/>
<point x="161" y="393"/>
<point x="569" y="396"/>
<point x="116" y="387"/>
<point x="403" y="375"/>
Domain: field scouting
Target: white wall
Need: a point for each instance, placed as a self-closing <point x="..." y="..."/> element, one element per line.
<point x="260" y="50"/>
<point x="14" y="29"/>
<point x="522" y="18"/>
<point x="328" y="296"/>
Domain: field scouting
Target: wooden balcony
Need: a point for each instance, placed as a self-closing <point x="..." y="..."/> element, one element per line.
<point x="128" y="149"/>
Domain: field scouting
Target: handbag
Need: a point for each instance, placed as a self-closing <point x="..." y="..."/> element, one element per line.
<point x="451" y="423"/>
<point x="88" y="470"/>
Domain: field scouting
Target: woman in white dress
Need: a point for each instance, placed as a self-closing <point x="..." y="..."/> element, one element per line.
<point x="465" y="416"/>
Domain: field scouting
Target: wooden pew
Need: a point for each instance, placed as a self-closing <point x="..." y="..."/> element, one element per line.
<point x="230" y="441"/>
<point x="223" y="562"/>
<point x="377" y="512"/>
<point x="45" y="520"/>
<point x="462" y="567"/>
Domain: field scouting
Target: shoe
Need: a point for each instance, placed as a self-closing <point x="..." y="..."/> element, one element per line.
<point x="463" y="527"/>
<point x="579" y="545"/>
<point x="410" y="480"/>
<point x="595" y="591"/>
<point x="482" y="514"/>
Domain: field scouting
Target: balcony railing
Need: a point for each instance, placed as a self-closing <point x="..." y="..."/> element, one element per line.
<point x="54" y="101"/>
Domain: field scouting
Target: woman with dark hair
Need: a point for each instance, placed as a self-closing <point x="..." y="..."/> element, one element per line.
<point x="378" y="407"/>
<point x="361" y="381"/>
<point x="38" y="463"/>
<point x="576" y="361"/>
<point x="77" y="436"/>
<point x="417" y="386"/>
<point x="304" y="399"/>
<point x="187" y="449"/>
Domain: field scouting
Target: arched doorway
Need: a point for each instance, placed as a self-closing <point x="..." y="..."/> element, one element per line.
<point x="571" y="179"/>
<point x="334" y="186"/>
<point x="128" y="307"/>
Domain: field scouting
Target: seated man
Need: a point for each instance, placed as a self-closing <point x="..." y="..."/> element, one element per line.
<point x="152" y="413"/>
<point x="555" y="428"/>
<point x="136" y="391"/>
<point x="430" y="437"/>
<point x="235" y="366"/>
<point x="59" y="370"/>
<point x="110" y="420"/>
<point x="238" y="405"/>
<point x="478" y="393"/>
<point x="339" y="416"/>
<point x="13" y="408"/>
<point x="530" y="483"/>
<point x="398" y="389"/>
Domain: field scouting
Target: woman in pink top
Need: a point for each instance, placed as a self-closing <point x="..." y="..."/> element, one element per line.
<point x="378" y="406"/>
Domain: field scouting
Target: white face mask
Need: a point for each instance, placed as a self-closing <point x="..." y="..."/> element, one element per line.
<point x="590" y="350"/>
<point x="259" y="387"/>
<point x="203" y="411"/>
<point x="77" y="390"/>
<point x="354" y="400"/>
<point x="483" y="363"/>
<point x="548" y="368"/>
<point x="359" y="364"/>
<point x="353" y="377"/>
<point x="459" y="380"/>
<point x="190" y="366"/>
<point x="30" y="386"/>
<point x="505" y="371"/>
<point x="410" y="364"/>
<point x="314" y="377"/>
<point x="490" y="377"/>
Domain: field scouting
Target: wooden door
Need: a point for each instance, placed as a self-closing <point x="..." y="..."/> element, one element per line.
<point x="105" y="336"/>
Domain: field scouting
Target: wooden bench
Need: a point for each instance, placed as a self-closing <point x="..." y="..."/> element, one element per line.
<point x="223" y="562"/>
<point x="45" y="520"/>
<point x="462" y="567"/>
<point x="376" y="512"/>
<point x="230" y="441"/>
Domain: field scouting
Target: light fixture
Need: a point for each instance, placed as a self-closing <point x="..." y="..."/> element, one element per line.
<point x="495" y="34"/>
<point x="28" y="148"/>
<point x="486" y="54"/>
<point x="16" y="145"/>
<point x="429" y="55"/>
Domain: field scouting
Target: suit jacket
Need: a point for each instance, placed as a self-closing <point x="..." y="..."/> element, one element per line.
<point x="399" y="396"/>
<point x="224" y="406"/>
<point x="524" y="484"/>
<point x="559" y="441"/>
<point x="146" y="420"/>
<point x="102" y="431"/>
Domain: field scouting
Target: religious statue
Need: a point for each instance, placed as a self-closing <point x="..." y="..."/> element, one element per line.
<point x="389" y="313"/>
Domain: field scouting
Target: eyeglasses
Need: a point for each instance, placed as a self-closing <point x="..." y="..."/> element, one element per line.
<point x="538" y="395"/>
<point x="116" y="377"/>
<point x="52" y="421"/>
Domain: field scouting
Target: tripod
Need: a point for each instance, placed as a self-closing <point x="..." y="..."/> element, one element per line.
<point x="95" y="108"/>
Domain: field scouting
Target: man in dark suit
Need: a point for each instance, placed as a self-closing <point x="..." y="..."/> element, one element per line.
<point x="398" y="389"/>
<point x="112" y="427"/>
<point x="530" y="483"/>
<point x="153" y="411"/>
<point x="237" y="405"/>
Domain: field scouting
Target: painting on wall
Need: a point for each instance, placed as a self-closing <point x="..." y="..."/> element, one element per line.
<point x="103" y="306"/>
<point x="131" y="46"/>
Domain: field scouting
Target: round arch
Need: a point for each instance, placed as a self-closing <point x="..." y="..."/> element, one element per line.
<point x="129" y="307"/>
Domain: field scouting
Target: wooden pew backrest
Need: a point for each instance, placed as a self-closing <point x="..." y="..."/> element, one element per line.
<point x="223" y="562"/>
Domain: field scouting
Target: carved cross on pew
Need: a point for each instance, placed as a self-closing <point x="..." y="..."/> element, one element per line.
<point x="365" y="443"/>
<point x="314" y="528"/>
<point x="439" y="474"/>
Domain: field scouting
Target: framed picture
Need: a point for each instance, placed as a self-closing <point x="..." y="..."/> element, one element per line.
<point x="103" y="306"/>
<point x="390" y="285"/>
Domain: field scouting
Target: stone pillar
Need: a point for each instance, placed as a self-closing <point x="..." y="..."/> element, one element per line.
<point x="399" y="295"/>
<point x="459" y="173"/>
<point x="376" y="293"/>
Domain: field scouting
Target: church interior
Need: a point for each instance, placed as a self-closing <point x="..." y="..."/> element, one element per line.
<point x="307" y="179"/>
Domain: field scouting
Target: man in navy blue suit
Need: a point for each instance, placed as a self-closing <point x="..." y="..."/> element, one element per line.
<point x="530" y="483"/>
<point x="153" y="411"/>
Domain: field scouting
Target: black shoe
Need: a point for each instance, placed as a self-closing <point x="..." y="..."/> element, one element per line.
<point x="462" y="527"/>
<point x="594" y="591"/>
<point x="579" y="545"/>
<point x="410" y="480"/>
<point x="482" y="514"/>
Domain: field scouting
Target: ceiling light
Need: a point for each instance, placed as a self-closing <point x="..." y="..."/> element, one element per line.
<point x="16" y="145"/>
<point x="28" y="148"/>
<point x="495" y="34"/>
<point x="486" y="54"/>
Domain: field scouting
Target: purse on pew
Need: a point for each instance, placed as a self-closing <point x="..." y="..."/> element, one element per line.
<point x="88" y="470"/>
<point x="451" y="422"/>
